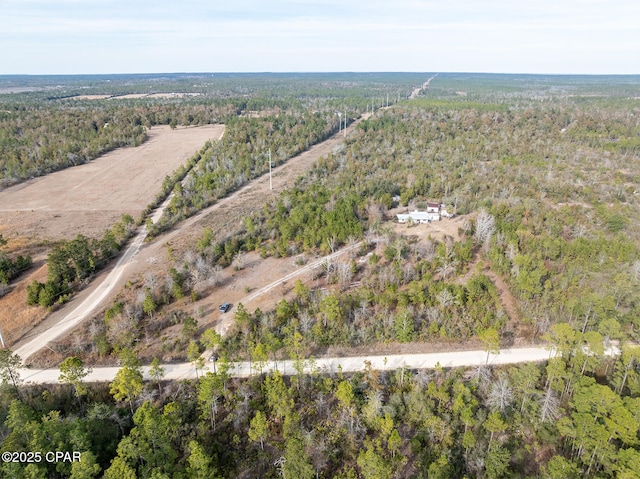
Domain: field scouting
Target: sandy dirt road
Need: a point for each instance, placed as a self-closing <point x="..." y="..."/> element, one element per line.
<point x="327" y="365"/>
<point x="425" y="85"/>
<point x="86" y="307"/>
<point x="226" y="321"/>
<point x="323" y="365"/>
<point x="98" y="294"/>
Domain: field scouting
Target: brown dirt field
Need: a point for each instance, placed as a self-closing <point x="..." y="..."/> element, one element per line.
<point x="171" y="95"/>
<point x="16" y="318"/>
<point x="132" y="95"/>
<point x="91" y="97"/>
<point x="90" y="198"/>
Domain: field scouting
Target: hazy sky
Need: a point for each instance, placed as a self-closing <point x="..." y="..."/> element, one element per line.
<point x="135" y="36"/>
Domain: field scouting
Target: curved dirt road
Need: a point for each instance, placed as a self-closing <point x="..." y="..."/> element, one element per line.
<point x="101" y="291"/>
<point x="225" y="323"/>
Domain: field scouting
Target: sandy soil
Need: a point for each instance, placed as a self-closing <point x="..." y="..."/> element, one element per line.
<point x="426" y="359"/>
<point x="242" y="286"/>
<point x="89" y="198"/>
<point x="91" y="97"/>
<point x="436" y="230"/>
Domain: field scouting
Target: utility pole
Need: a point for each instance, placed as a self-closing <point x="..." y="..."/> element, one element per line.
<point x="2" y="339"/>
<point x="345" y="122"/>
<point x="270" y="182"/>
<point x="339" y="121"/>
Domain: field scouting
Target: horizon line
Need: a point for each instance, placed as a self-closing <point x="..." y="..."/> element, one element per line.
<point x="312" y="72"/>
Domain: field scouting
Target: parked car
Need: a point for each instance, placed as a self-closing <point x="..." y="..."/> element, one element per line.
<point x="224" y="307"/>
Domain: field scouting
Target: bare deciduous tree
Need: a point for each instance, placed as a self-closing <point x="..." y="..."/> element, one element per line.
<point x="579" y="231"/>
<point x="549" y="406"/>
<point x="485" y="227"/>
<point x="635" y="270"/>
<point x="446" y="298"/>
<point x="239" y="261"/>
<point x="447" y="268"/>
<point x="150" y="280"/>
<point x="344" y="274"/>
<point x="306" y="321"/>
<point x="501" y="395"/>
<point x="433" y="314"/>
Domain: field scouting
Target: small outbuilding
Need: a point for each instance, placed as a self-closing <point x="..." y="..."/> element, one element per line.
<point x="433" y="207"/>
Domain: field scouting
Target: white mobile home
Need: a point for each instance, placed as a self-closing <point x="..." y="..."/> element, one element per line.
<point x="418" y="217"/>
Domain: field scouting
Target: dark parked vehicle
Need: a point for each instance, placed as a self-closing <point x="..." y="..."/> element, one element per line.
<point x="224" y="307"/>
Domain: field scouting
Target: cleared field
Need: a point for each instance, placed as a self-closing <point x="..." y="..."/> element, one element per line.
<point x="91" y="97"/>
<point x="89" y="198"/>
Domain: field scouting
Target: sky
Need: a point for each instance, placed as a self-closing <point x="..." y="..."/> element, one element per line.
<point x="153" y="36"/>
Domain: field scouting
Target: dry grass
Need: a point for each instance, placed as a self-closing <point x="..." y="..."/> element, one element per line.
<point x="16" y="318"/>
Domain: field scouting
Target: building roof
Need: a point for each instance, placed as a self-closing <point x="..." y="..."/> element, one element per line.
<point x="418" y="216"/>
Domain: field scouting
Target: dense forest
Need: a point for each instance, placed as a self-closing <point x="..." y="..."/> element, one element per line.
<point x="577" y="416"/>
<point x="542" y="173"/>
